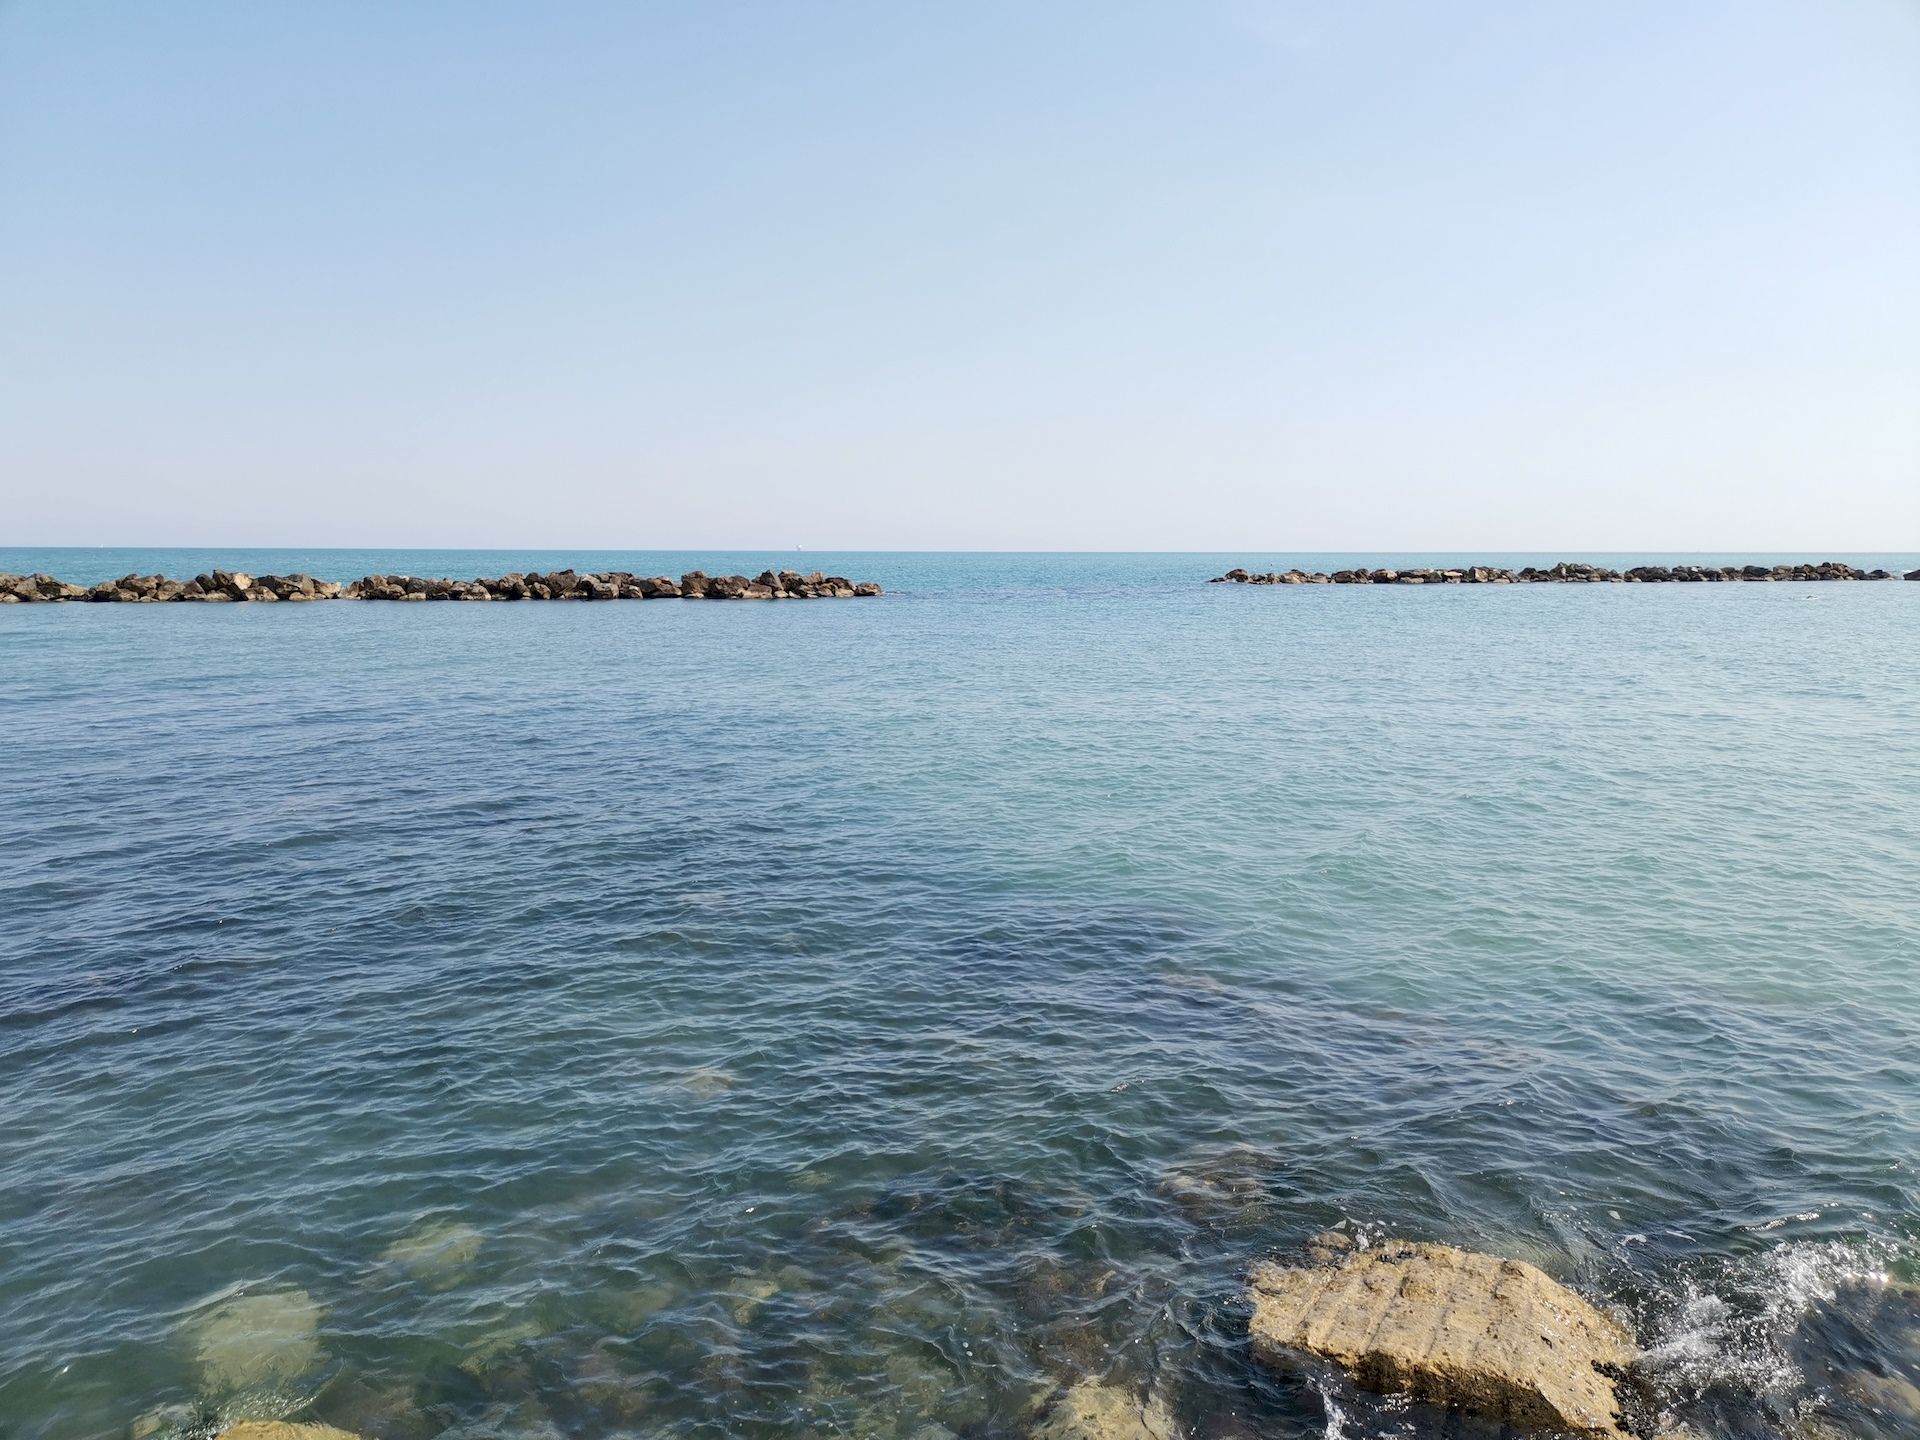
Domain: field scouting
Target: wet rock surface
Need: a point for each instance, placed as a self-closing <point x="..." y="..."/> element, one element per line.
<point x="228" y="586"/>
<point x="1467" y="1332"/>
<point x="1567" y="572"/>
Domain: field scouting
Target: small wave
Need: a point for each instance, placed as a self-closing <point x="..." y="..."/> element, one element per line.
<point x="1781" y="1220"/>
<point x="1730" y="1330"/>
<point x="1336" y="1415"/>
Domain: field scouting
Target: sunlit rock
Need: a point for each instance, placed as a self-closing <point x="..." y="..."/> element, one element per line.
<point x="1468" y="1332"/>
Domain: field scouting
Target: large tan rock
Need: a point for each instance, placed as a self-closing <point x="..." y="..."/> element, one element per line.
<point x="1473" y="1333"/>
<point x="283" y="1430"/>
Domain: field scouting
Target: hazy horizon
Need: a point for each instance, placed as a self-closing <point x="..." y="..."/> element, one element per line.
<point x="1242" y="277"/>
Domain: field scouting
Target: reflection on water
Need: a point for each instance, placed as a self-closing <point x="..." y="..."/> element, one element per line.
<point x="767" y="1021"/>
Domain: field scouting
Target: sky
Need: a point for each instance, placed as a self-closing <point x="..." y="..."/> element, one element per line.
<point x="1202" y="274"/>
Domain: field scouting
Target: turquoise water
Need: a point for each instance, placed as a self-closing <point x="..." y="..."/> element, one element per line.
<point x="704" y="1020"/>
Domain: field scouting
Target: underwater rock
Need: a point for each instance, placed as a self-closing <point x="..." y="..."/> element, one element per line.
<point x="283" y="1430"/>
<point x="1328" y="1246"/>
<point x="497" y="1346"/>
<point x="256" y="1340"/>
<point x="1890" y="1395"/>
<point x="1474" y="1333"/>
<point x="917" y="1385"/>
<point x="747" y="1295"/>
<point x="626" y="1312"/>
<point x="1093" y="1410"/>
<point x="959" y="1210"/>
<point x="706" y="1082"/>
<point x="436" y="1254"/>
<point x="1221" y="1185"/>
<point x="166" y="1419"/>
<point x="615" y="1398"/>
<point x="1808" y="1427"/>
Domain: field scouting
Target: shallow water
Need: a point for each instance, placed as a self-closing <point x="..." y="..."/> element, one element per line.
<point x="845" y="1019"/>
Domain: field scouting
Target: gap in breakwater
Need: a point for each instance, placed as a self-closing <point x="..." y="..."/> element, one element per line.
<point x="234" y="585"/>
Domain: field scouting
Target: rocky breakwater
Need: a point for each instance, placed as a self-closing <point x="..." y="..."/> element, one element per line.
<point x="617" y="585"/>
<point x="1467" y="1332"/>
<point x="1567" y="572"/>
<point x="219" y="585"/>
<point x="227" y="586"/>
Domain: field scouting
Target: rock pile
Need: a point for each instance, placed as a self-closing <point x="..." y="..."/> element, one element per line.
<point x="232" y="585"/>
<point x="1567" y="572"/>
<point x="1472" y="1333"/>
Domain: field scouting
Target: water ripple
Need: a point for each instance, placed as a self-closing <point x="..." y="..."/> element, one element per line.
<point x="772" y="1021"/>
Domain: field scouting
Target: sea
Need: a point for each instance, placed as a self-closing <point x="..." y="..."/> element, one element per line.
<point x="866" y="1018"/>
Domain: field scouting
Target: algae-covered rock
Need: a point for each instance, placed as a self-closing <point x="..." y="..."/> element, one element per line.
<point x="1473" y="1333"/>
<point x="624" y="1312"/>
<point x="254" y="1340"/>
<point x="1092" y="1410"/>
<point x="486" y="1353"/>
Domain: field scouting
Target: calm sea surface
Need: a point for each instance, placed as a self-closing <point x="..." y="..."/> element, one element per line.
<point x="856" y="1018"/>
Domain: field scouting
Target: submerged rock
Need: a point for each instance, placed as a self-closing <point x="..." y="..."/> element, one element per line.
<point x="486" y="1353"/>
<point x="746" y="1294"/>
<point x="1474" y="1333"/>
<point x="1891" y="1395"/>
<point x="257" y="1340"/>
<point x="1093" y="1410"/>
<point x="283" y="1430"/>
<point x="1216" y="1185"/>
<point x="706" y="1083"/>
<point x="436" y="1254"/>
<point x="164" y="1421"/>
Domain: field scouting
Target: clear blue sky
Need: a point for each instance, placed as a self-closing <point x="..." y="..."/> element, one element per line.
<point x="1219" y="274"/>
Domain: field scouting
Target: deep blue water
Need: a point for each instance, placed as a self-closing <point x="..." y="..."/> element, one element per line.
<point x="856" y="1018"/>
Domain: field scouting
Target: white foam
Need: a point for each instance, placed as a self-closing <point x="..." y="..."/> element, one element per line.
<point x="1732" y="1330"/>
